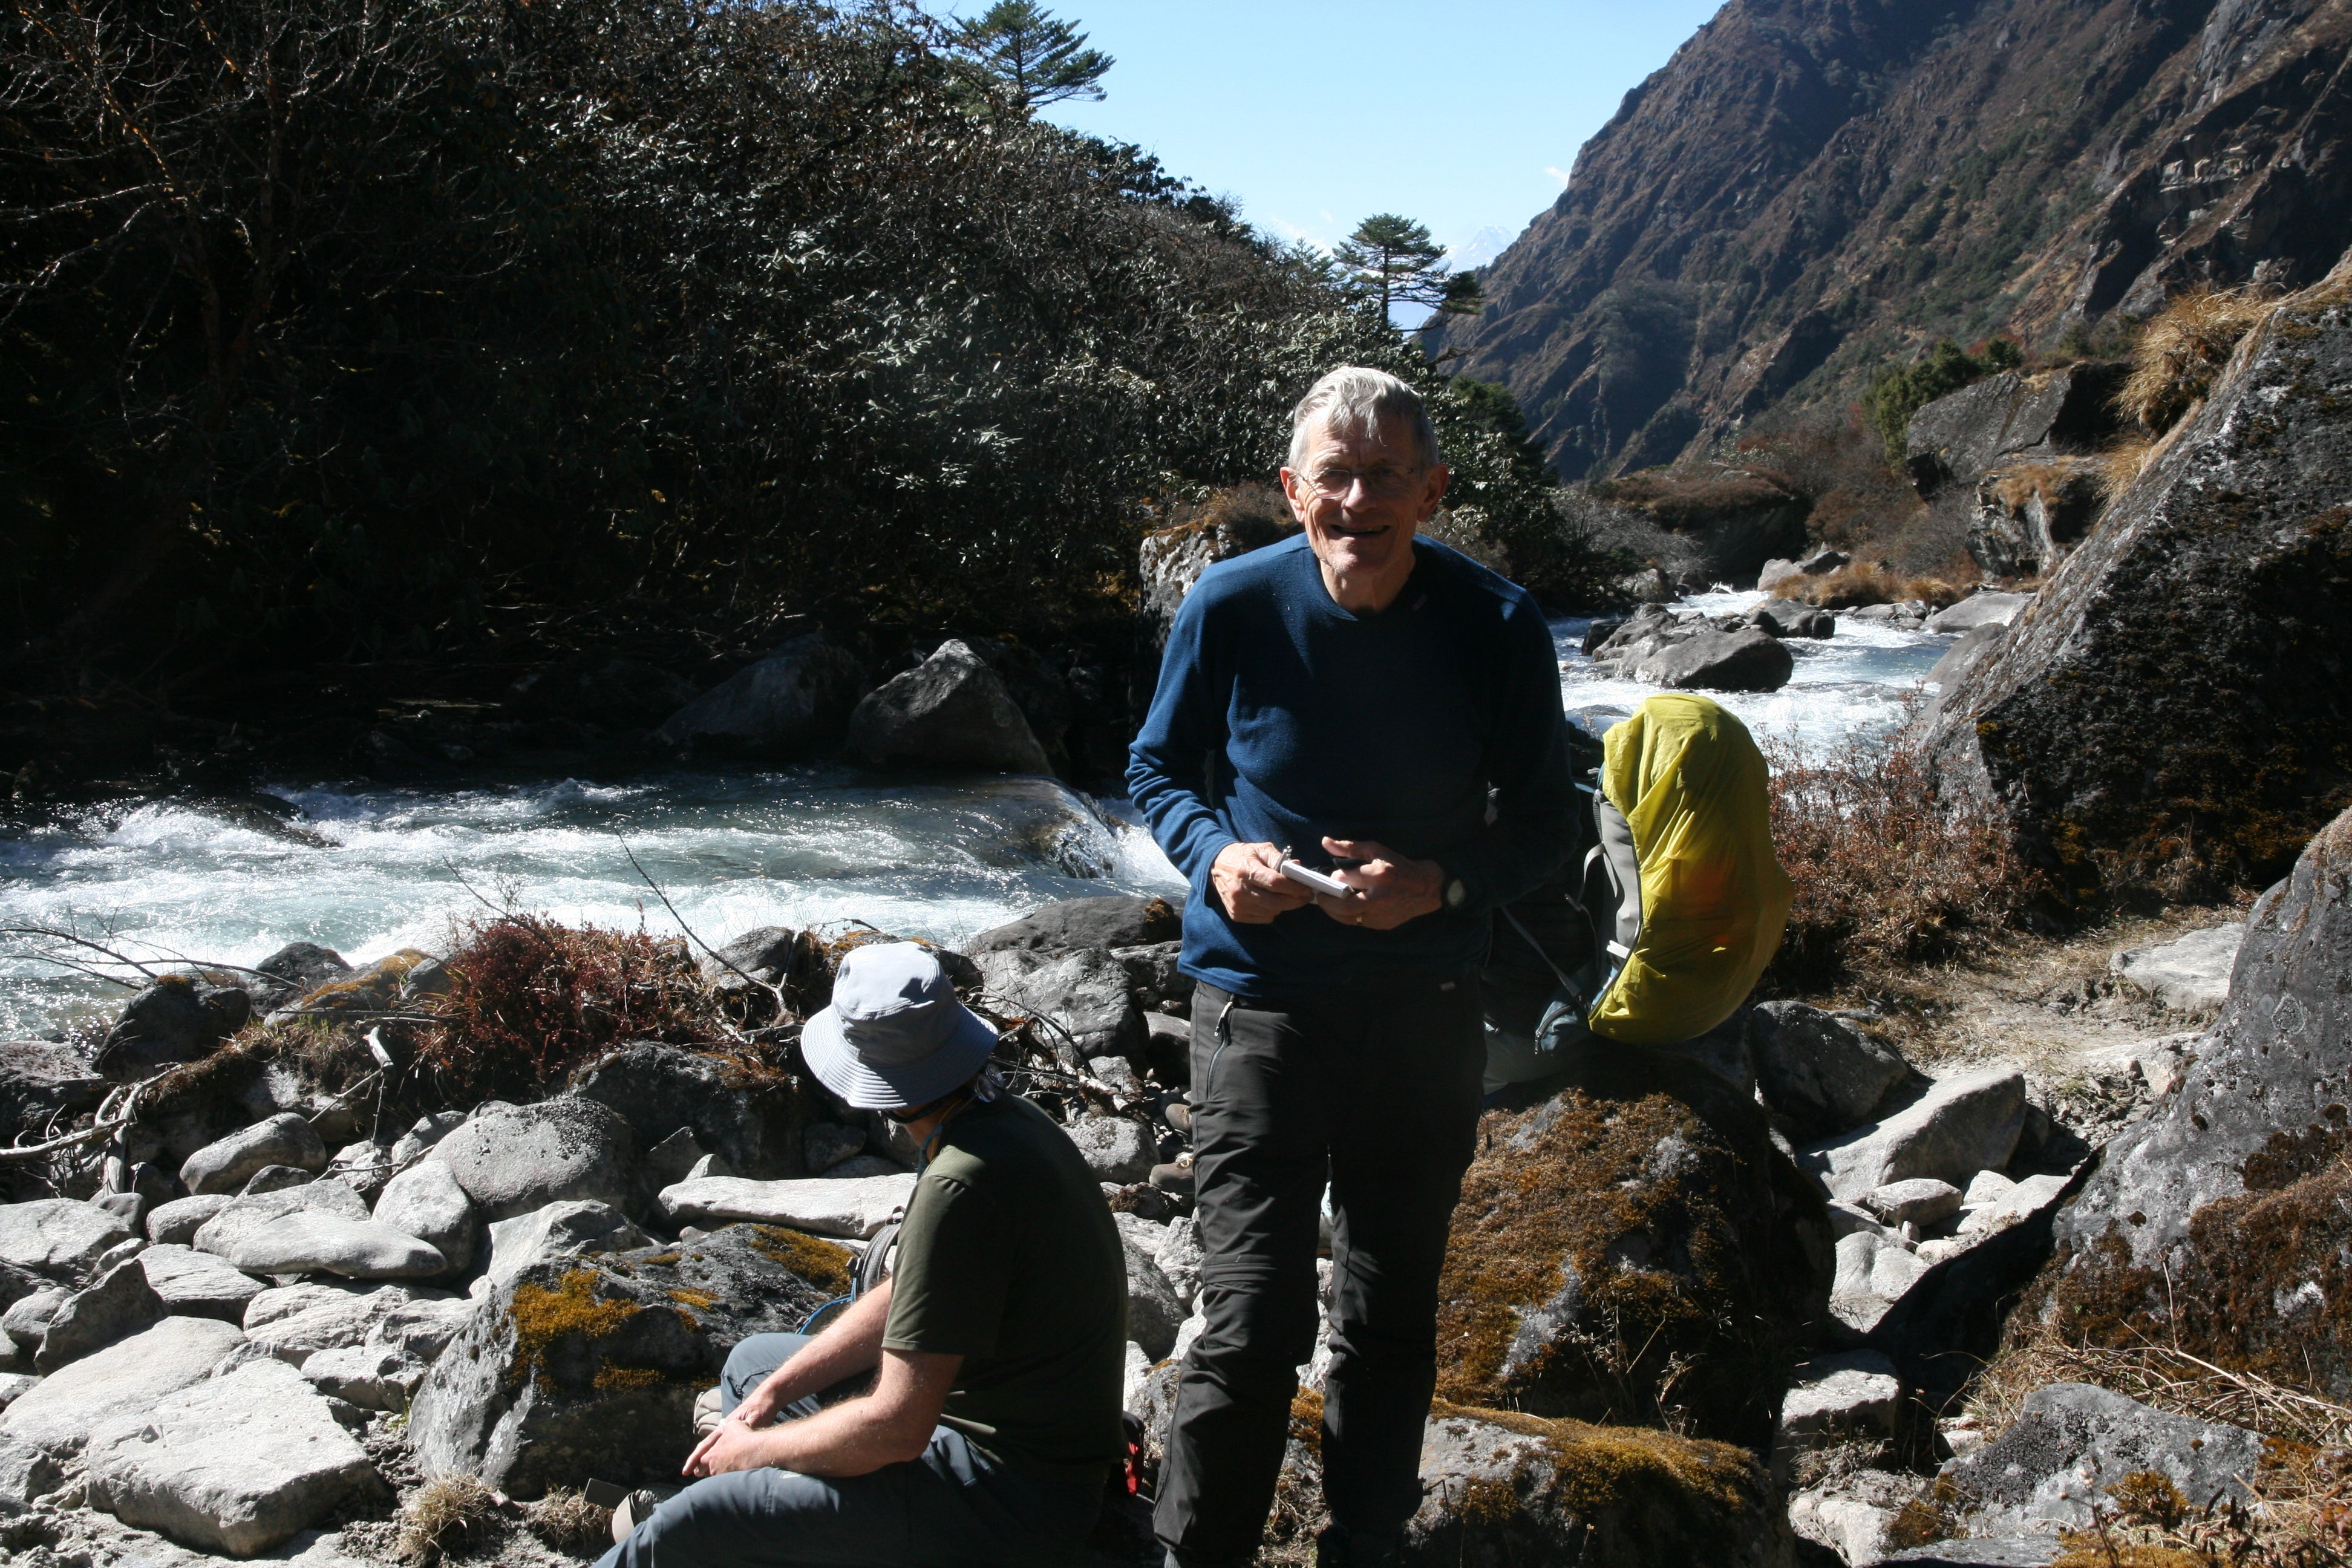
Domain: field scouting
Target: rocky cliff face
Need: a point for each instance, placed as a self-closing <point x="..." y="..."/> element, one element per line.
<point x="1811" y="188"/>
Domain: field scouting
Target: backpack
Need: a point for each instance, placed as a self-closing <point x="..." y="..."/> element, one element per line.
<point x="1678" y="901"/>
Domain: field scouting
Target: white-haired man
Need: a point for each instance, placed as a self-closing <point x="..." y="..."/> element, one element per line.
<point x="1376" y="704"/>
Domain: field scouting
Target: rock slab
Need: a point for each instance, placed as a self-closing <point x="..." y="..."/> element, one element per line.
<point x="1962" y="1125"/>
<point x="2075" y="1439"/>
<point x="513" y="1158"/>
<point x="855" y="1208"/>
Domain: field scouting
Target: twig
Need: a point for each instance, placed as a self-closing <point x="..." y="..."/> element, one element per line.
<point x="775" y="991"/>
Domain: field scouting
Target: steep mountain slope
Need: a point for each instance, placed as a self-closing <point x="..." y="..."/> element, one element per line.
<point x="1810" y="189"/>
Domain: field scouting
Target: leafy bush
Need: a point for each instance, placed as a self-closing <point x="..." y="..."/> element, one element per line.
<point x="1898" y="393"/>
<point x="1886" y="874"/>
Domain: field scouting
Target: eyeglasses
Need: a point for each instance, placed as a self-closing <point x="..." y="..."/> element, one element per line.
<point x="1384" y="482"/>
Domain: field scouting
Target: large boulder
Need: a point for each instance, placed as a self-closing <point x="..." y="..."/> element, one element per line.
<point x="2188" y="974"/>
<point x="197" y="1284"/>
<point x="116" y="1305"/>
<point x="40" y="1083"/>
<point x="312" y="1240"/>
<point x="295" y="1323"/>
<point x="1816" y="1069"/>
<point x="1120" y="920"/>
<point x="58" y="1414"/>
<point x="1633" y="1247"/>
<point x="1984" y="608"/>
<point x="568" y="1229"/>
<point x="1084" y="998"/>
<point x="793" y="703"/>
<point x="2044" y="413"/>
<point x="2029" y="514"/>
<point x="2222" y="1222"/>
<point x="512" y="1159"/>
<point x="177" y="1018"/>
<point x="60" y="1238"/>
<point x="2052" y="1468"/>
<point x="750" y="1114"/>
<point x="293" y="971"/>
<point x="287" y="1139"/>
<point x="1963" y="1124"/>
<point x="590" y="1367"/>
<point x="1664" y="647"/>
<point x="2177" y="702"/>
<point x="1732" y="521"/>
<point x="949" y="711"/>
<point x="1170" y="561"/>
<point x="425" y="1201"/>
<point x="234" y="1464"/>
<point x="855" y="1207"/>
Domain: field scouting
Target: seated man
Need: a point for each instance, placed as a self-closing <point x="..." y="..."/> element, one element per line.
<point x="989" y="1434"/>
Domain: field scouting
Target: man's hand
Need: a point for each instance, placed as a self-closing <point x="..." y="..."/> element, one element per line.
<point x="733" y="1447"/>
<point x="1391" y="889"/>
<point x="1248" y="878"/>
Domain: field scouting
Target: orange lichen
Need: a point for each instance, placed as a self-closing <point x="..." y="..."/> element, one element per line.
<point x="823" y="1264"/>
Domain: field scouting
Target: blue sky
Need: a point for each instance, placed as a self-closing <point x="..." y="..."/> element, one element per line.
<point x="1464" y="115"/>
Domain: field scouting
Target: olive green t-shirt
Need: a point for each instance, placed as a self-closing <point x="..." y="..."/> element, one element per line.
<point x="1010" y="1258"/>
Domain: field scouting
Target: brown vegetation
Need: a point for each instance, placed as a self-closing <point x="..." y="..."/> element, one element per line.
<point x="444" y="1518"/>
<point x="529" y="1000"/>
<point x="570" y="1522"/>
<point x="1866" y="583"/>
<point x="1886" y="874"/>
<point x="2181" y="349"/>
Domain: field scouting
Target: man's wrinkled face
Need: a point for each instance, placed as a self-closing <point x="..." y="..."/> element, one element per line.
<point x="1360" y="496"/>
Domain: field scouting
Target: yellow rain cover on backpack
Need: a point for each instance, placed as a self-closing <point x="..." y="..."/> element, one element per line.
<point x="1691" y="783"/>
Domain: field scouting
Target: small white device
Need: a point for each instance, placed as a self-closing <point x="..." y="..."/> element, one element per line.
<point x="1318" y="880"/>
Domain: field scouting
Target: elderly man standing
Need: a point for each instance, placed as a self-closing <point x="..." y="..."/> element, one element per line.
<point x="1387" y="712"/>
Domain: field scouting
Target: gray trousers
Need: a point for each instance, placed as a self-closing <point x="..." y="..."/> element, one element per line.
<point x="953" y="1507"/>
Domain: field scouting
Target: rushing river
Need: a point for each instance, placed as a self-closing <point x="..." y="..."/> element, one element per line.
<point x="797" y="846"/>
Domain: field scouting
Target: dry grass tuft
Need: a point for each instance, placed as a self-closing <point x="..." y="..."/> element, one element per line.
<point x="2181" y="350"/>
<point x="570" y="1522"/>
<point x="1866" y="583"/>
<point x="445" y="1518"/>
<point x="529" y="1000"/>
<point x="1886" y="874"/>
<point x="2163" y="1377"/>
<point x="2123" y="462"/>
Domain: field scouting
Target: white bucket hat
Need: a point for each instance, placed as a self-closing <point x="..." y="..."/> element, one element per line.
<point x="895" y="1036"/>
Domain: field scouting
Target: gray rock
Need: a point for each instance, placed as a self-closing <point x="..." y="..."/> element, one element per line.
<point x="241" y="1217"/>
<point x="294" y="971"/>
<point x="277" y="1179"/>
<point x="177" y="1018"/>
<point x="828" y="1143"/>
<point x="668" y="1161"/>
<point x="1170" y="561"/>
<point x="615" y="694"/>
<point x="2022" y="1202"/>
<point x="1115" y="1149"/>
<point x="765" y="953"/>
<point x="197" y="1284"/>
<point x="41" y="1082"/>
<point x="1179" y="1259"/>
<point x="1852" y="1513"/>
<point x="1956" y="438"/>
<point x="750" y="1115"/>
<point x="793" y="703"/>
<point x="857" y="1168"/>
<point x="60" y="1238"/>
<point x="2029" y="514"/>
<point x="1961" y="1126"/>
<point x="514" y="1159"/>
<point x="1982" y="608"/>
<point x="130" y="1375"/>
<point x="1117" y="1074"/>
<point x="26" y="1322"/>
<point x="294" y="1322"/>
<point x="1153" y="1312"/>
<point x="310" y="1240"/>
<point x="225" y="1166"/>
<point x="568" y="1229"/>
<point x="1789" y="618"/>
<point x="2072" y="730"/>
<point x="1851" y="1396"/>
<point x="118" y="1304"/>
<point x="371" y="1376"/>
<point x="1746" y="660"/>
<point x="2191" y="975"/>
<point x="235" y="1464"/>
<point x="1084" y="995"/>
<point x="420" y="1328"/>
<point x="2075" y="1439"/>
<point x="131" y="1209"/>
<point x="426" y="1131"/>
<point x="1114" y="921"/>
<point x="1874" y="1273"/>
<point x="425" y="1201"/>
<point x="176" y="1223"/>
<point x="949" y="711"/>
<point x="850" y="1208"/>
<point x="716" y="1166"/>
<point x="1817" y="1069"/>
<point x="2008" y="1552"/>
<point x="1922" y="1201"/>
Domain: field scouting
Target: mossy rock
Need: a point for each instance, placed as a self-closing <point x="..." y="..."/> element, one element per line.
<point x="1634" y="1251"/>
<point x="580" y="1369"/>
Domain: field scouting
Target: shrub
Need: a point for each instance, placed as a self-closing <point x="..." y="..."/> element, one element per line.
<point x="1899" y="393"/>
<point x="529" y="1000"/>
<point x="1886" y="874"/>
<point x="1865" y="583"/>
<point x="2181" y="350"/>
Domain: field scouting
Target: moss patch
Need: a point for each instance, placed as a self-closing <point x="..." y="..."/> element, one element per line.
<point x="823" y="1264"/>
<point x="543" y="1318"/>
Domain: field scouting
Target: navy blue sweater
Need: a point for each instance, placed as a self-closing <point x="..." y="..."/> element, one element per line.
<point x="1281" y="718"/>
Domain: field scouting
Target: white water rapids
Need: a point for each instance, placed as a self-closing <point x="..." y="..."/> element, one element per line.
<point x="796" y="846"/>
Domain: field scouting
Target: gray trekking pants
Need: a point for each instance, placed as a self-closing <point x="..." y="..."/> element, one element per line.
<point x="953" y="1507"/>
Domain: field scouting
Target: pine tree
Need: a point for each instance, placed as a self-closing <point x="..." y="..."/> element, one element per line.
<point x="1390" y="261"/>
<point x="1032" y="53"/>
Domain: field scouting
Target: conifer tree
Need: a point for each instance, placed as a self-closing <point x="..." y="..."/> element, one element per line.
<point x="1390" y="261"/>
<point x="1032" y="53"/>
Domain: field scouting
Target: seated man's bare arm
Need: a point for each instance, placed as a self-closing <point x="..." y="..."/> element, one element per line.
<point x="888" y="1427"/>
<point x="852" y="1345"/>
